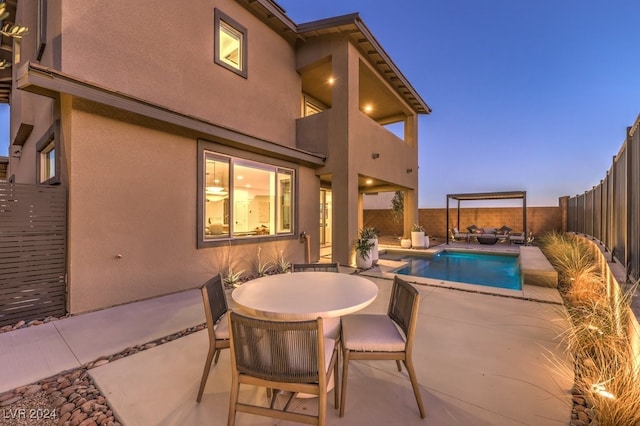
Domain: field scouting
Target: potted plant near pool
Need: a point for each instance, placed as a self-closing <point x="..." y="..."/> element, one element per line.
<point x="370" y="233"/>
<point x="417" y="236"/>
<point x="363" y="253"/>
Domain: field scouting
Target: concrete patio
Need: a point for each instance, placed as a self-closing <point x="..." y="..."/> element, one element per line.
<point x="481" y="359"/>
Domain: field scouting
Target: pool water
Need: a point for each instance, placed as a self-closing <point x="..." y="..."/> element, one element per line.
<point x="495" y="270"/>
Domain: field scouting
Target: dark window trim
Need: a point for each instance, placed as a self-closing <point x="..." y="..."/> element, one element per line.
<point x="51" y="135"/>
<point x="41" y="30"/>
<point x="218" y="15"/>
<point x="223" y="150"/>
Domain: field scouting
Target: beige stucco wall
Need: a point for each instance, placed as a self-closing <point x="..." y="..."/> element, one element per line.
<point x="132" y="212"/>
<point x="167" y="59"/>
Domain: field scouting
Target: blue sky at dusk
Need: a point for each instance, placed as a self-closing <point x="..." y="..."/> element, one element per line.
<point x="526" y="95"/>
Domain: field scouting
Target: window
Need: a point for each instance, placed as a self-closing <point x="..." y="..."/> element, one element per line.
<point x="244" y="199"/>
<point x="311" y="106"/>
<point x="48" y="162"/>
<point x="48" y="158"/>
<point x="230" y="43"/>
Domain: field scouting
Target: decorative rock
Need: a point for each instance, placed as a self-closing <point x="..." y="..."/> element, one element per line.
<point x="67" y="408"/>
<point x="32" y="390"/>
<point x="6" y="396"/>
<point x="20" y="324"/>
<point x="100" y="362"/>
<point x="10" y="401"/>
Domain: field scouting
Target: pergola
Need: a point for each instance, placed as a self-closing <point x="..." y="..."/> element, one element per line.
<point x="480" y="196"/>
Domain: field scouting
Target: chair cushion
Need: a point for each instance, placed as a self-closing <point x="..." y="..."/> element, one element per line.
<point x="331" y="327"/>
<point x="222" y="327"/>
<point x="329" y="344"/>
<point x="371" y="333"/>
<point x="472" y="228"/>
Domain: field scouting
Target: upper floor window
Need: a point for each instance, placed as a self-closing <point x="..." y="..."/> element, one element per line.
<point x="244" y="199"/>
<point x="230" y="43"/>
<point x="48" y="159"/>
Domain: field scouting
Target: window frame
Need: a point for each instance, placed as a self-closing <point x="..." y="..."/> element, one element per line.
<point x="241" y="158"/>
<point x="219" y="16"/>
<point x="51" y="137"/>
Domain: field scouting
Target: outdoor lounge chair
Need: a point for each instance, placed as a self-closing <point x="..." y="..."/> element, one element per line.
<point x="290" y="356"/>
<point x="314" y="267"/>
<point x="377" y="337"/>
<point x="215" y="309"/>
<point x="457" y="235"/>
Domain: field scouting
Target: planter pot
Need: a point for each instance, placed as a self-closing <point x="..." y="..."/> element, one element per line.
<point x="363" y="263"/>
<point x="417" y="239"/>
<point x="374" y="251"/>
<point x="426" y="241"/>
<point x="405" y="243"/>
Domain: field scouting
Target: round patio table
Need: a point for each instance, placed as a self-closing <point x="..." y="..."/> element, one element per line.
<point x="305" y="295"/>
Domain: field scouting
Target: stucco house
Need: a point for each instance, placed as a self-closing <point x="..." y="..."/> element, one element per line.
<point x="195" y="137"/>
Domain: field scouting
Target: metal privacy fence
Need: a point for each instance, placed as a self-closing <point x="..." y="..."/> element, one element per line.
<point x="610" y="211"/>
<point x="32" y="252"/>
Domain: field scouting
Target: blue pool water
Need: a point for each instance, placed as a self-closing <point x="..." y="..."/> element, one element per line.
<point x="495" y="270"/>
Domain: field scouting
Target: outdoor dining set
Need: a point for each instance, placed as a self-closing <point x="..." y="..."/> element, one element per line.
<point x="295" y="334"/>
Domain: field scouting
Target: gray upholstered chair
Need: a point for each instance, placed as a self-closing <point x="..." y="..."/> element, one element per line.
<point x="291" y="356"/>
<point x="457" y="235"/>
<point x="315" y="267"/>
<point x="377" y="337"/>
<point x="215" y="309"/>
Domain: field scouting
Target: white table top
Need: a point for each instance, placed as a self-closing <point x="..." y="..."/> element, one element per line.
<point x="305" y="295"/>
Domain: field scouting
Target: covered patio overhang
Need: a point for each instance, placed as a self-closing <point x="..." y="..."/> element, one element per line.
<point x="483" y="196"/>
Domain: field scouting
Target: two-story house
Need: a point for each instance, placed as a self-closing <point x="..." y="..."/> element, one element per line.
<point x="205" y="135"/>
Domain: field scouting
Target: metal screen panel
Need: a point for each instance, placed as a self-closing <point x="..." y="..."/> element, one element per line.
<point x="633" y="150"/>
<point x="32" y="252"/>
<point x="620" y="208"/>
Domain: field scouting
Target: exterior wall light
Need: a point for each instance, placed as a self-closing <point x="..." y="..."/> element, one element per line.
<point x="409" y="170"/>
<point x="375" y="155"/>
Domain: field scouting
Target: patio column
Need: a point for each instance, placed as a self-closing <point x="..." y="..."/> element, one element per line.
<point x="410" y="210"/>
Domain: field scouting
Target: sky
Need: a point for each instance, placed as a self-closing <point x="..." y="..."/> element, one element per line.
<point x="527" y="95"/>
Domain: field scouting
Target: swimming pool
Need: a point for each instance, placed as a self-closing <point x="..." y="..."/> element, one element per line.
<point x="495" y="270"/>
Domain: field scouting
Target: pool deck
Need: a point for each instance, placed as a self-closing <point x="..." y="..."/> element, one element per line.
<point x="540" y="278"/>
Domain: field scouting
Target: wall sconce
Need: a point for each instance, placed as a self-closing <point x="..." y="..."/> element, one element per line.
<point x="16" y="152"/>
<point x="375" y="155"/>
<point x="409" y="170"/>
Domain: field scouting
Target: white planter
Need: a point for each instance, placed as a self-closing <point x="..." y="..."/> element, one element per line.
<point x="426" y="241"/>
<point x="417" y="239"/>
<point x="405" y="243"/>
<point x="363" y="263"/>
<point x="374" y="251"/>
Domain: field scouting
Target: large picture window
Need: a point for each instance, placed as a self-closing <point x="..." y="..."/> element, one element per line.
<point x="245" y="199"/>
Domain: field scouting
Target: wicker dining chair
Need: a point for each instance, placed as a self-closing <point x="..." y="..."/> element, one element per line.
<point x="215" y="308"/>
<point x="376" y="337"/>
<point x="315" y="267"/>
<point x="332" y="325"/>
<point x="290" y="356"/>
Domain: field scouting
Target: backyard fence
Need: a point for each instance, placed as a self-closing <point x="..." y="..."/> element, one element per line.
<point x="32" y="252"/>
<point x="610" y="211"/>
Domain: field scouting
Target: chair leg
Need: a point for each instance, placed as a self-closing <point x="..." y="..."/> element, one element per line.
<point x="205" y="374"/>
<point x="336" y="382"/>
<point x="414" y="384"/>
<point x="399" y="365"/>
<point x="233" y="400"/>
<point x="215" y="360"/>
<point x="345" y="372"/>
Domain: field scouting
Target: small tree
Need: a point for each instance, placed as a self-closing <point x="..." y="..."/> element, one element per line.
<point x="397" y="206"/>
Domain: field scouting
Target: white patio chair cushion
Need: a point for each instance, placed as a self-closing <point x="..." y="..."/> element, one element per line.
<point x="222" y="327"/>
<point x="329" y="345"/>
<point x="331" y="328"/>
<point x="371" y="333"/>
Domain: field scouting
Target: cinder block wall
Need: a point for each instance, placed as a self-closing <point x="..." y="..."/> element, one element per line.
<point x="539" y="219"/>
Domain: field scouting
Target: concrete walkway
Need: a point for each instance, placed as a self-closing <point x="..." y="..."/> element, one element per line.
<point x="480" y="359"/>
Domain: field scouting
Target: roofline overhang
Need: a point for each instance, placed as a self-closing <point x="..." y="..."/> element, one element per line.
<point x="51" y="83"/>
<point x="275" y="16"/>
<point x="413" y="98"/>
